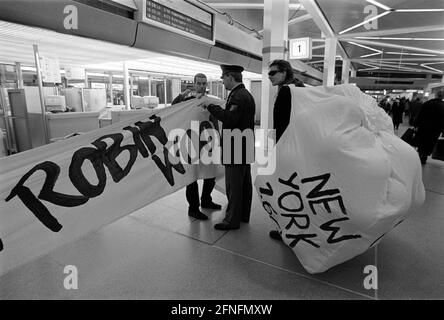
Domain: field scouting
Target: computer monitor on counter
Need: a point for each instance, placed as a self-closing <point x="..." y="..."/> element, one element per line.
<point x="55" y="103"/>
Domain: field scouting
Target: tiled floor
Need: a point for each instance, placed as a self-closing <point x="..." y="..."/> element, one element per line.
<point x="158" y="252"/>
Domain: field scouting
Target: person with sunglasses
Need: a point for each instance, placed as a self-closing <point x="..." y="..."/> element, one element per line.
<point x="281" y="74"/>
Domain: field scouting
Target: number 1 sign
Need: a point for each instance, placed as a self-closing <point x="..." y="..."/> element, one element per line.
<point x="300" y="48"/>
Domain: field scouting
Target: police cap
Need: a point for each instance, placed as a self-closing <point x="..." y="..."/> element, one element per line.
<point x="231" y="68"/>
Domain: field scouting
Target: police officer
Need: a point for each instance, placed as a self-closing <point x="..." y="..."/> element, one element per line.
<point x="237" y="119"/>
<point x="192" y="190"/>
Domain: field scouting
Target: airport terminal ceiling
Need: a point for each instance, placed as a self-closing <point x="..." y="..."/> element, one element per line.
<point x="405" y="39"/>
<point x="401" y="39"/>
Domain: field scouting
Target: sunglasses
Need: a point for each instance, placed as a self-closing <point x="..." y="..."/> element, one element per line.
<point x="273" y="72"/>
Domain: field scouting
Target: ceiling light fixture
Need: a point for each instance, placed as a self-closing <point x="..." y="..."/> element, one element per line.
<point x="394" y="38"/>
<point x="428" y="63"/>
<point x="419" y="10"/>
<point x="423" y="65"/>
<point x="365" y="47"/>
<point x="370" y="54"/>
<point x="376" y="3"/>
<point x="412" y="54"/>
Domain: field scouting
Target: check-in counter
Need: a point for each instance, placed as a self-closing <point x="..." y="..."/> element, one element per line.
<point x="66" y="123"/>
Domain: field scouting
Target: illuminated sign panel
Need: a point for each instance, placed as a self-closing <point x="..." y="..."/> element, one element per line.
<point x="179" y="16"/>
<point x="300" y="48"/>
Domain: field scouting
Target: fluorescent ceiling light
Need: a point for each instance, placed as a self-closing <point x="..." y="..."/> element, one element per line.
<point x="419" y="10"/>
<point x="428" y="63"/>
<point x="394" y="63"/>
<point x="365" y="47"/>
<point x="394" y="38"/>
<point x="412" y="54"/>
<point x="376" y="3"/>
<point x="370" y="54"/>
<point x="422" y="65"/>
<point x="365" y="21"/>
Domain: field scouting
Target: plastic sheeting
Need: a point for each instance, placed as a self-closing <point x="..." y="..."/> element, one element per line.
<point x="342" y="179"/>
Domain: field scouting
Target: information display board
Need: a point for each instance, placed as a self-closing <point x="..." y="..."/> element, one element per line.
<point x="50" y="68"/>
<point x="179" y="16"/>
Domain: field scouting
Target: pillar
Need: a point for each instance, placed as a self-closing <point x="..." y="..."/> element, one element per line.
<point x="18" y="70"/>
<point x="274" y="47"/>
<point x="328" y="78"/>
<point x="40" y="84"/>
<point x="353" y="73"/>
<point x="110" y="87"/>
<point x="126" y="95"/>
<point x="345" y="78"/>
<point x="175" y="87"/>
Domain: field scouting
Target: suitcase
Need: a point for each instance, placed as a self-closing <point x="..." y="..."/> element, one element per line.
<point x="409" y="136"/>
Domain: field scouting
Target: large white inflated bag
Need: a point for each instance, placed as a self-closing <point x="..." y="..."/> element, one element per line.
<point x="342" y="179"/>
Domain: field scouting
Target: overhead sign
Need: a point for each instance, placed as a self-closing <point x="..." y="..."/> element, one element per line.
<point x="300" y="48"/>
<point x="50" y="70"/>
<point x="179" y="16"/>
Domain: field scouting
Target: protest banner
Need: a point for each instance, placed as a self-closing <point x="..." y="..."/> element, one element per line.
<point x="60" y="192"/>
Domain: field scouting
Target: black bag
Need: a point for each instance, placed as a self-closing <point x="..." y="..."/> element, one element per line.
<point x="438" y="151"/>
<point x="409" y="136"/>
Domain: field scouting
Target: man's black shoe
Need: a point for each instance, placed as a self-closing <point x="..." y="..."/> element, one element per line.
<point x="211" y="205"/>
<point x="275" y="235"/>
<point x="224" y="226"/>
<point x="197" y="214"/>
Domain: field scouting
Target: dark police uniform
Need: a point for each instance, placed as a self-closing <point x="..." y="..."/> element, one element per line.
<point x="238" y="114"/>
<point x="192" y="190"/>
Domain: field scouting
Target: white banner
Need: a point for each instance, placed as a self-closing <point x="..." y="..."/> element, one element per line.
<point x="59" y="192"/>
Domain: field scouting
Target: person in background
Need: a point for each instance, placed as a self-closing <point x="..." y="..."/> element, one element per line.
<point x="281" y="75"/>
<point x="415" y="107"/>
<point x="237" y="115"/>
<point x="397" y="113"/>
<point x="430" y="124"/>
<point x="192" y="190"/>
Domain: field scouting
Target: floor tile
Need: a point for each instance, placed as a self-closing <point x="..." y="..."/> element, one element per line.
<point x="40" y="279"/>
<point x="203" y="230"/>
<point x="128" y="260"/>
<point x="411" y="263"/>
<point x="163" y="216"/>
<point x="433" y="175"/>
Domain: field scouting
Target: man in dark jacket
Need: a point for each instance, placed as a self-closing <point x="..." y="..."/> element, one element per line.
<point x="415" y="107"/>
<point x="192" y="190"/>
<point x="430" y="124"/>
<point x="238" y="123"/>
